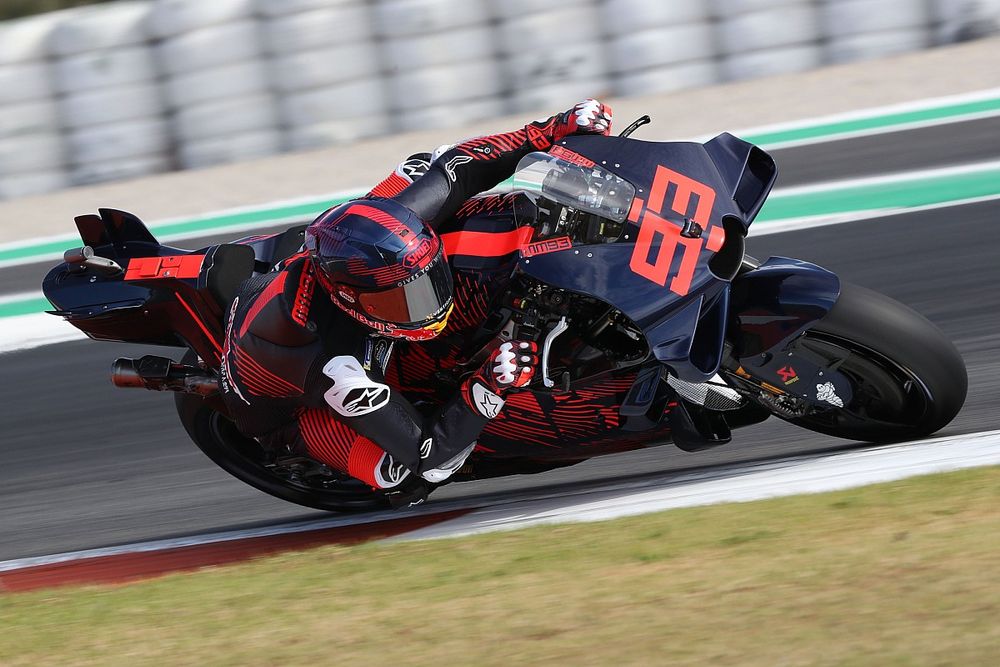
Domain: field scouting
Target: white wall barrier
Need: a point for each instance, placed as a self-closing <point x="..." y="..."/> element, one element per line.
<point x="135" y="87"/>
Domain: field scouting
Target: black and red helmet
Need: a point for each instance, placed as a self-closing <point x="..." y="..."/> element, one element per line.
<point x="383" y="266"/>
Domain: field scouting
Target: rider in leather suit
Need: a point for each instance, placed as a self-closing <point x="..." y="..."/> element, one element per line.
<point x="304" y="373"/>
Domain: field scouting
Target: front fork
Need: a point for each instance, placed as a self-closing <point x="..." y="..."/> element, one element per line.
<point x="767" y="358"/>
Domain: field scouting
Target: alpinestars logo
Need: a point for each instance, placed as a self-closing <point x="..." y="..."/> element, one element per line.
<point x="425" y="448"/>
<point x="390" y="473"/>
<point x="415" y="168"/>
<point x="486" y="402"/>
<point x="366" y="399"/>
<point x="455" y="162"/>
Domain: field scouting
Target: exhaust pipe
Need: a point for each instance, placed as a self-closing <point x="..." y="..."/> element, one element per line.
<point x="162" y="374"/>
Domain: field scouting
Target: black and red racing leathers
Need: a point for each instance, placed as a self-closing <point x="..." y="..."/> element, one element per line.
<point x="286" y="342"/>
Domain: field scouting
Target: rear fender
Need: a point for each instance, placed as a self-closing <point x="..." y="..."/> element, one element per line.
<point x="774" y="303"/>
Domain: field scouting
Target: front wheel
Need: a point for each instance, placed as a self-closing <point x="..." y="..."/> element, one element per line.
<point x="907" y="380"/>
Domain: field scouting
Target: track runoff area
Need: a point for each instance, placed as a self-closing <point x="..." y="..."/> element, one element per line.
<point x="936" y="217"/>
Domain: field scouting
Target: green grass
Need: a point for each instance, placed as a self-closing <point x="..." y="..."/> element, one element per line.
<point x="906" y="573"/>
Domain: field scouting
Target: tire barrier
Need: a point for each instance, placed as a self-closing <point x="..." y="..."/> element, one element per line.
<point x="32" y="149"/>
<point x="135" y="87"/>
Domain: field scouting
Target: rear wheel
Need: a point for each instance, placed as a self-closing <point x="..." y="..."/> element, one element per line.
<point x="296" y="479"/>
<point x="907" y="380"/>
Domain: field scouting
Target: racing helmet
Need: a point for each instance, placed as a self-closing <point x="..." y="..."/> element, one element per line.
<point x="383" y="266"/>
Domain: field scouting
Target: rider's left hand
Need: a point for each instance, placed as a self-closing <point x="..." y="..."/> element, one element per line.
<point x="588" y="117"/>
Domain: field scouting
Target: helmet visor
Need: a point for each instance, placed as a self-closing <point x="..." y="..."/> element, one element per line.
<point x="416" y="302"/>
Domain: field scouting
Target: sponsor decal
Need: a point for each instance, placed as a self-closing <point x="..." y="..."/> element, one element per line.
<point x="456" y="161"/>
<point x="418" y="254"/>
<point x="425" y="448"/>
<point x="366" y="363"/>
<point x="225" y="382"/>
<point x="487" y="403"/>
<point x="788" y="375"/>
<point x="546" y="246"/>
<point x="414" y="168"/>
<point x="827" y="392"/>
<point x="390" y="473"/>
<point x="383" y="350"/>
<point x="363" y="400"/>
<point x="484" y="150"/>
<point x="571" y="156"/>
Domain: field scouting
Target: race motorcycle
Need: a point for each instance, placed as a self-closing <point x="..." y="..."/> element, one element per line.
<point x="623" y="259"/>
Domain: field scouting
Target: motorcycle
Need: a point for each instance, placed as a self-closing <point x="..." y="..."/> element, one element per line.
<point x="623" y="259"/>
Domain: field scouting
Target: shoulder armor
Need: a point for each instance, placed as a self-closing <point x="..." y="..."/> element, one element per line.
<point x="353" y="393"/>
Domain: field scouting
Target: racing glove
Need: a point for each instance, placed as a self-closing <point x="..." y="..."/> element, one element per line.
<point x="509" y="368"/>
<point x="587" y="117"/>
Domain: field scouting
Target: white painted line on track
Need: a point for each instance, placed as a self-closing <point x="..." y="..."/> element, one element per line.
<point x="26" y="332"/>
<point x="740" y="483"/>
<point x="807" y="222"/>
<point x="872" y="112"/>
<point x="735" y="483"/>
<point x="888" y="179"/>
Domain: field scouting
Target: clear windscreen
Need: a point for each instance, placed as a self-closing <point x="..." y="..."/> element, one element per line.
<point x="590" y="189"/>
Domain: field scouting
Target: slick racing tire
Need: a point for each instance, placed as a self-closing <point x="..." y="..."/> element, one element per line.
<point x="111" y="105"/>
<point x="907" y="379"/>
<point x="247" y="461"/>
<point x="175" y="17"/>
<point x="624" y="17"/>
<point x="415" y="52"/>
<point x="216" y="84"/>
<point x="771" y="62"/>
<point x="310" y="30"/>
<point x="32" y="183"/>
<point x="18" y="120"/>
<point x="843" y="18"/>
<point x="110" y="26"/>
<point x="661" y="46"/>
<point x="97" y="70"/>
<point x="326" y="67"/>
<point x="216" y="46"/>
<point x="119" y="141"/>
<point x="25" y="82"/>
<point x="400" y="18"/>
<point x="29" y="39"/>
<point x="871" y="45"/>
<point x="760" y="30"/>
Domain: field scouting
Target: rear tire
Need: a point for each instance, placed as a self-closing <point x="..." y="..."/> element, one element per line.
<point x="908" y="379"/>
<point x="246" y="460"/>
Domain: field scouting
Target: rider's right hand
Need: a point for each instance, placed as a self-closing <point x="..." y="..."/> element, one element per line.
<point x="509" y="368"/>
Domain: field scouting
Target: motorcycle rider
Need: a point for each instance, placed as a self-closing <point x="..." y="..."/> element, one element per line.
<point x="305" y="372"/>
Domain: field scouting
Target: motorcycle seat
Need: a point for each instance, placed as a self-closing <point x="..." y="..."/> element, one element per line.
<point x="231" y="264"/>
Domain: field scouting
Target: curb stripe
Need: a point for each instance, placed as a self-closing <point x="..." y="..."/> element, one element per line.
<point x="137" y="565"/>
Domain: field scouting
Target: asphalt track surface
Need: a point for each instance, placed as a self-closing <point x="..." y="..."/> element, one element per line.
<point x="85" y="465"/>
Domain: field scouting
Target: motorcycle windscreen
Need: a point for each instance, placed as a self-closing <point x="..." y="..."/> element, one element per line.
<point x="415" y="302"/>
<point x="590" y="189"/>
